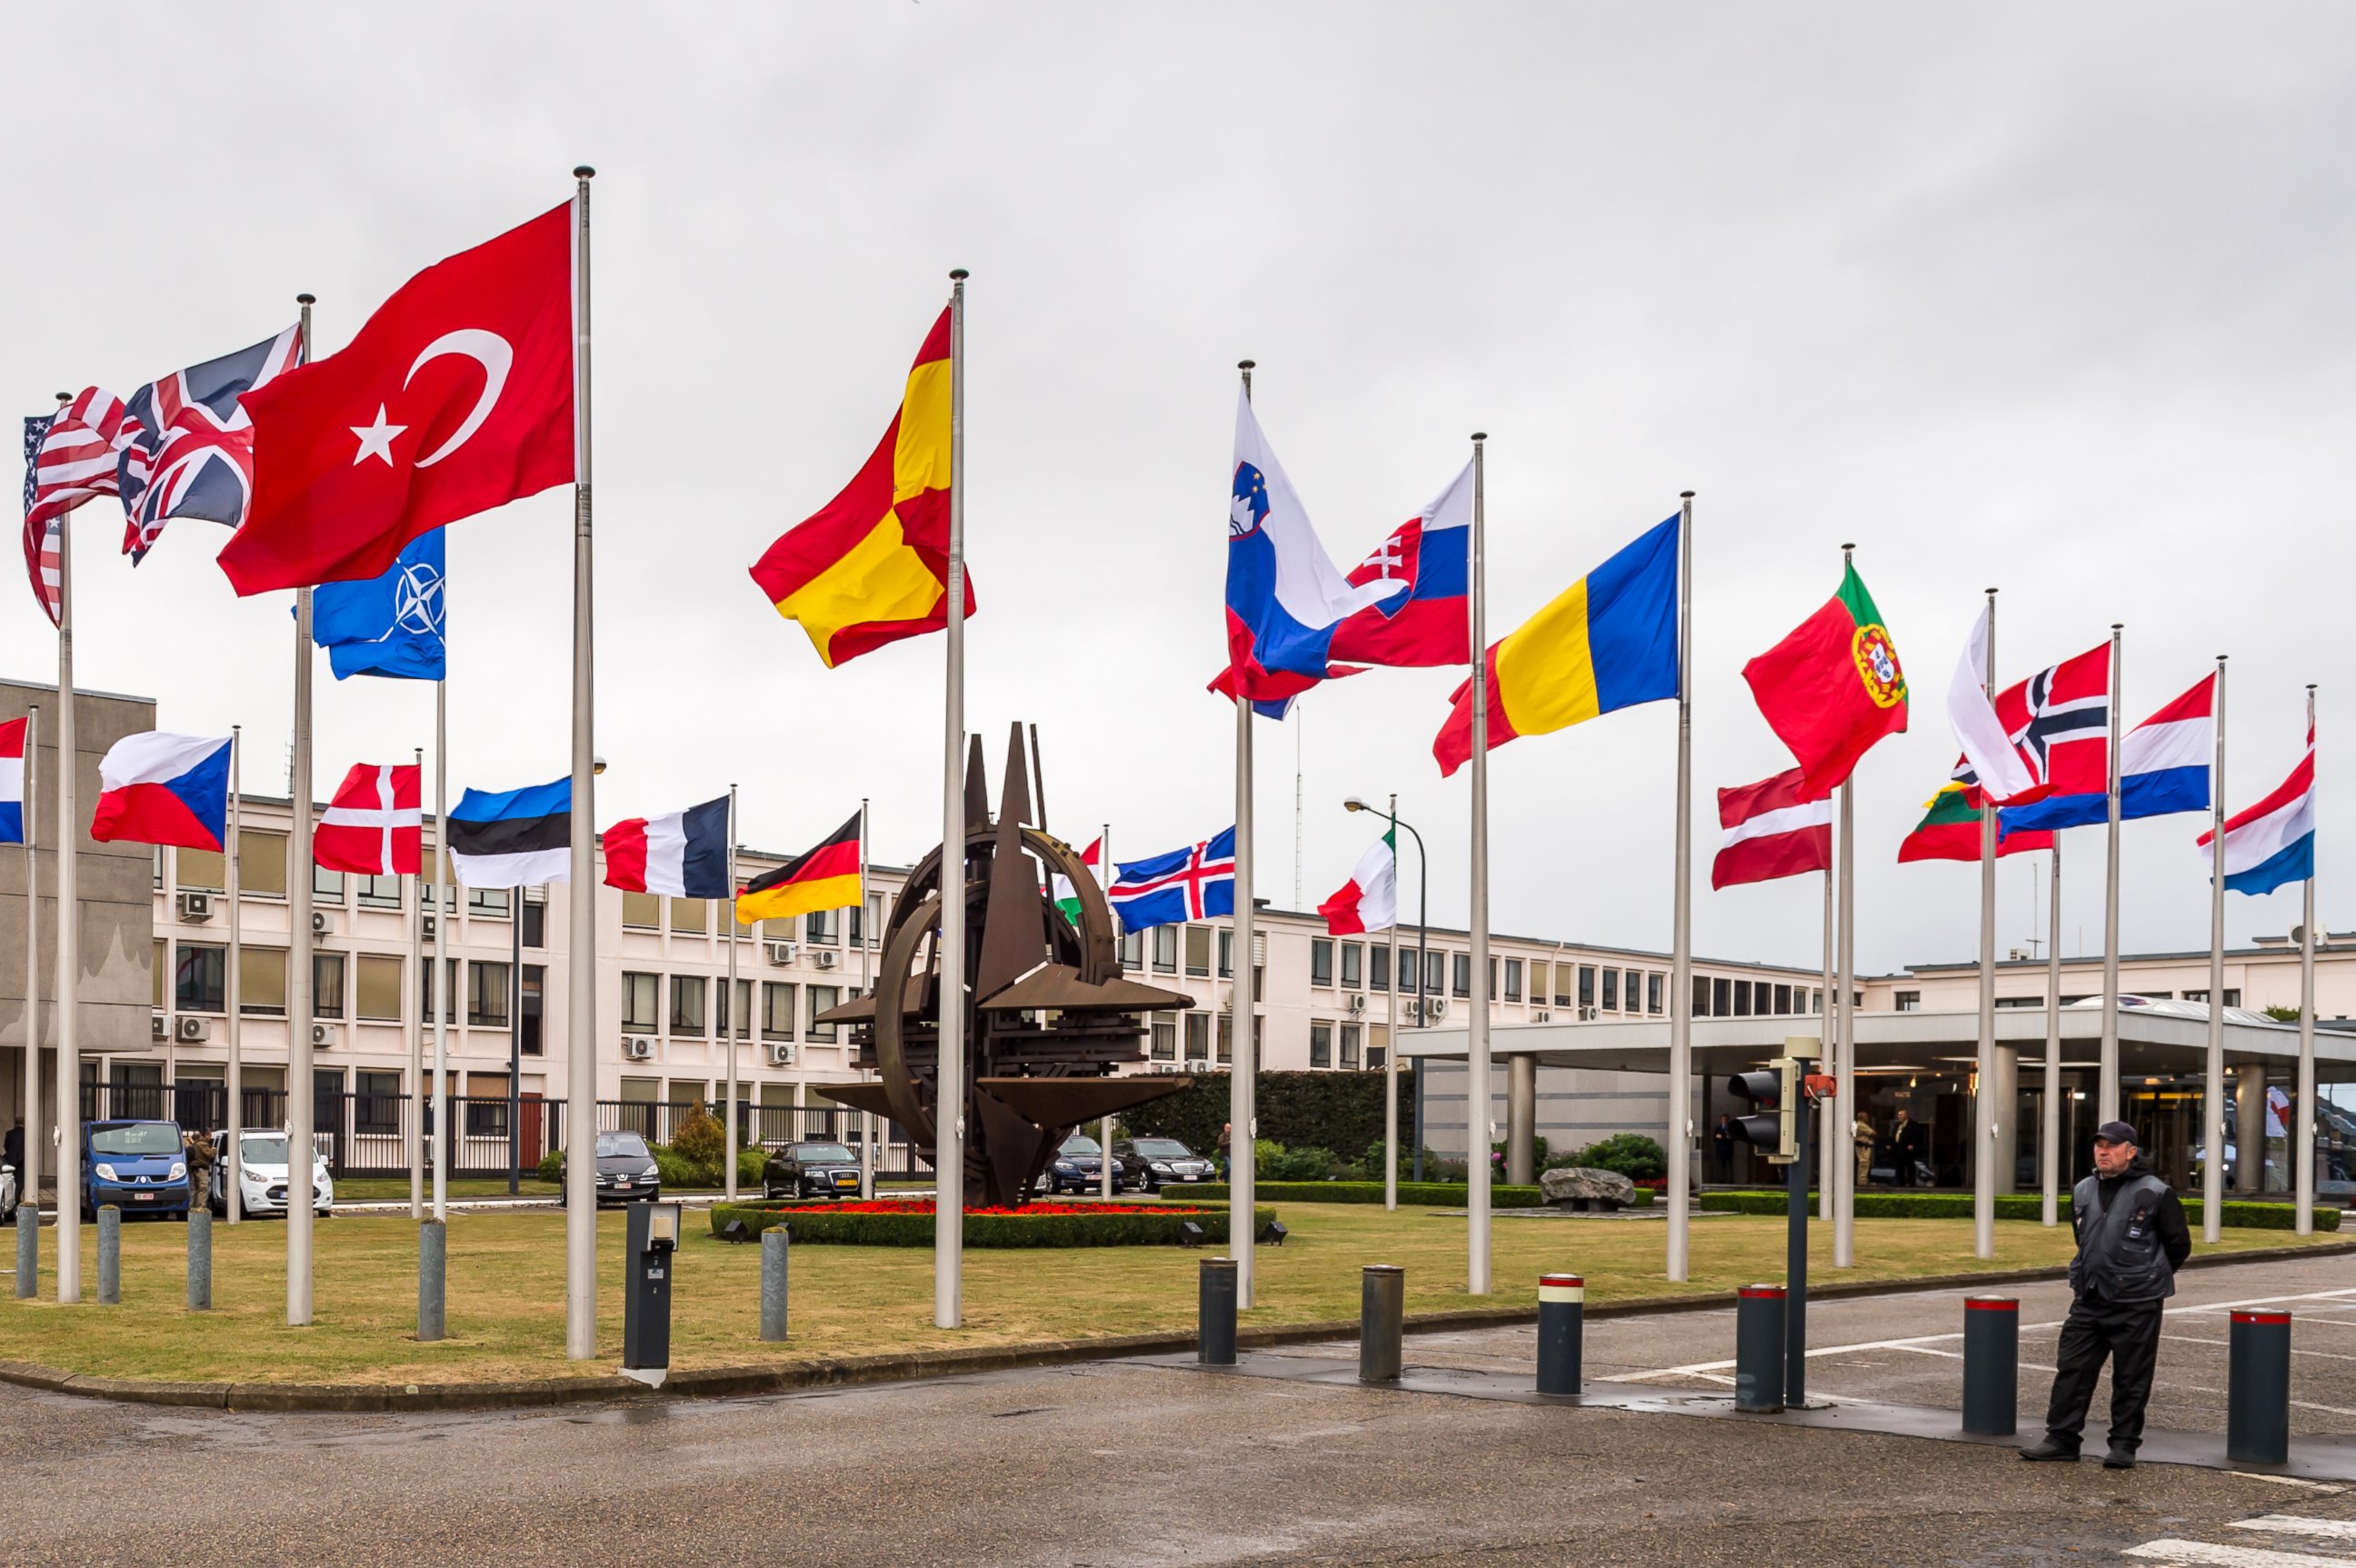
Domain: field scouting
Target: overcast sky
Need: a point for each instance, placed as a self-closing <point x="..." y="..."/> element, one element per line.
<point x="2054" y="299"/>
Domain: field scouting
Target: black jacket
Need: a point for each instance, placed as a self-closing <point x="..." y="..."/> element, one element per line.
<point x="2117" y="1267"/>
<point x="2175" y="1236"/>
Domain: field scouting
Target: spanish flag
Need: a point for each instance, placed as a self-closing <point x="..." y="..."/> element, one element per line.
<point x="825" y="878"/>
<point x="873" y="567"/>
<point x="1608" y="642"/>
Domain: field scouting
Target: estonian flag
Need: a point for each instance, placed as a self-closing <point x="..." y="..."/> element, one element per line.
<point x="513" y="838"/>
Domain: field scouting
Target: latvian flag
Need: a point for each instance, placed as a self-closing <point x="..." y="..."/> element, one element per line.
<point x="1369" y="900"/>
<point x="827" y="877"/>
<point x="1771" y="832"/>
<point x="2273" y="842"/>
<point x="12" y="782"/>
<point x="375" y="825"/>
<point x="682" y="855"/>
<point x="1067" y="897"/>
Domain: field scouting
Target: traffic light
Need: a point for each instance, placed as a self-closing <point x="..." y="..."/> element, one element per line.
<point x="1775" y="1126"/>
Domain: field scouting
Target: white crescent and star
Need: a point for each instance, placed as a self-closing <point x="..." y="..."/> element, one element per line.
<point x="488" y="349"/>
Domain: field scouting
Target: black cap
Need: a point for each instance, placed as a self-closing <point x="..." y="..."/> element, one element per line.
<point x="2115" y="1133"/>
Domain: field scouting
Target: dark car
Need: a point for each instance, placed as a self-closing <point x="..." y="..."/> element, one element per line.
<point x="141" y="1167"/>
<point x="1165" y="1161"/>
<point x="811" y="1170"/>
<point x="1077" y="1167"/>
<point x="627" y="1172"/>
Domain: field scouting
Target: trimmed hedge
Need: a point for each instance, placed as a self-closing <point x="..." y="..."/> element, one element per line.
<point x="2009" y="1205"/>
<point x="1299" y="1110"/>
<point x="1139" y="1225"/>
<point x="1432" y="1194"/>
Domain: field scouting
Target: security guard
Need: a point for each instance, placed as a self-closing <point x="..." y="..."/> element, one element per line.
<point x="2131" y="1240"/>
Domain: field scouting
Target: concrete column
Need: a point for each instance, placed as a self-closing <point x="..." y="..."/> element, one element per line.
<point x="1521" y="1120"/>
<point x="2006" y="1089"/>
<point x="2250" y="1124"/>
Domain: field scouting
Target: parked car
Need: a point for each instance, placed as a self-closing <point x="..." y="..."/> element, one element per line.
<point x="627" y="1172"/>
<point x="811" y="1170"/>
<point x="8" y="1193"/>
<point x="140" y="1166"/>
<point x="1077" y="1166"/>
<point x="1166" y="1162"/>
<point x="261" y="1173"/>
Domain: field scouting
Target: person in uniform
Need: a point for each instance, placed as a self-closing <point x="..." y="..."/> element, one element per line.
<point x="2131" y="1240"/>
<point x="202" y="1157"/>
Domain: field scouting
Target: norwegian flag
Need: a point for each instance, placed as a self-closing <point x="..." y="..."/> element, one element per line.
<point x="375" y="825"/>
<point x="2059" y="720"/>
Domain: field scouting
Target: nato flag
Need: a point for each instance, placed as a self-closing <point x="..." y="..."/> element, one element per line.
<point x="387" y="625"/>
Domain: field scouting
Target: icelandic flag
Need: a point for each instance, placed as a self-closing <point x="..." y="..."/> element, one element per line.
<point x="376" y="824"/>
<point x="2273" y="842"/>
<point x="163" y="788"/>
<point x="1191" y="883"/>
<point x="513" y="838"/>
<point x="12" y="782"/>
<point x="1285" y="596"/>
<point x="2163" y="768"/>
<point x="682" y="855"/>
<point x="391" y="626"/>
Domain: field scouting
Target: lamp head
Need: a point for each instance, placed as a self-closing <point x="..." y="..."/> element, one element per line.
<point x="1353" y="805"/>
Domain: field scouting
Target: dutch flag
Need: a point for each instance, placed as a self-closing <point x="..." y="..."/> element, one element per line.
<point x="2273" y="842"/>
<point x="12" y="782"/>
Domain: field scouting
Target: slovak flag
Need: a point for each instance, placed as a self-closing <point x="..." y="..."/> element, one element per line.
<point x="12" y="782"/>
<point x="376" y="824"/>
<point x="2273" y="842"/>
<point x="682" y="855"/>
<point x="1193" y="883"/>
<point x="156" y="788"/>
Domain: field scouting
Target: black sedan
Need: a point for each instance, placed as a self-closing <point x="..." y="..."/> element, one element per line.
<point x="811" y="1170"/>
<point x="1077" y="1167"/>
<point x="1164" y="1161"/>
<point x="627" y="1172"/>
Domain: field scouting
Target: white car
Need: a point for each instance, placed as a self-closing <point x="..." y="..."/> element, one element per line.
<point x="263" y="1170"/>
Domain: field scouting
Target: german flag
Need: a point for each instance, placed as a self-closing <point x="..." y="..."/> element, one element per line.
<point x="825" y="878"/>
<point x="873" y="567"/>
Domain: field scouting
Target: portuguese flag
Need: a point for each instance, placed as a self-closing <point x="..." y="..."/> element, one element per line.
<point x="826" y="877"/>
<point x="1832" y="688"/>
<point x="1952" y="831"/>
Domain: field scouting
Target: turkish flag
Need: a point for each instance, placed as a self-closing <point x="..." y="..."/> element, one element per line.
<point x="456" y="397"/>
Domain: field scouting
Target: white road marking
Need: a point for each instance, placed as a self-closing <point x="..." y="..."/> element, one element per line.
<point x="2196" y="1339"/>
<point x="2211" y="1555"/>
<point x="2293" y="1524"/>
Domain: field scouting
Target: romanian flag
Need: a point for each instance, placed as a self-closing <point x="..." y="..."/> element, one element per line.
<point x="825" y="878"/>
<point x="1951" y="831"/>
<point x="1608" y="642"/>
<point x="873" y="567"/>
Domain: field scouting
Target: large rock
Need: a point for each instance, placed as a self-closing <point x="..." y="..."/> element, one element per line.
<point x="1581" y="1186"/>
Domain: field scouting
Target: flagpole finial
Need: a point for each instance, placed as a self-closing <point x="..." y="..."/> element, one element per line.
<point x="1991" y="593"/>
<point x="583" y="171"/>
<point x="1480" y="436"/>
<point x="307" y="299"/>
<point x="2118" y="626"/>
<point x="64" y="398"/>
<point x="1247" y="365"/>
<point x="959" y="275"/>
<point x="1684" y="495"/>
<point x="1849" y="546"/>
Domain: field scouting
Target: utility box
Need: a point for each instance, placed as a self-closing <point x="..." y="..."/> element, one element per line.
<point x="652" y="1231"/>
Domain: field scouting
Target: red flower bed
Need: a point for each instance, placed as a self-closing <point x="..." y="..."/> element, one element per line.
<point x="926" y="1206"/>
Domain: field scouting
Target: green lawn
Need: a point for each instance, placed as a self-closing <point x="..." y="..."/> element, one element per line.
<point x="506" y="1300"/>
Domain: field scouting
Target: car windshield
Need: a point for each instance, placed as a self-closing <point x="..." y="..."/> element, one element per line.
<point x="623" y="1145"/>
<point x="1076" y="1145"/>
<point x="265" y="1148"/>
<point x="1163" y="1149"/>
<point x="139" y="1138"/>
<point x="823" y="1153"/>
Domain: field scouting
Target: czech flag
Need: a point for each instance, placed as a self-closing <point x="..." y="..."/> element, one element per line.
<point x="163" y="788"/>
<point x="681" y="856"/>
<point x="12" y="782"/>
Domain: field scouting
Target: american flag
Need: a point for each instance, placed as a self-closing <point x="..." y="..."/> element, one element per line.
<point x="69" y="456"/>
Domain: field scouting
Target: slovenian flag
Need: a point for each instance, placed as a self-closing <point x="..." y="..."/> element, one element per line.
<point x="1369" y="900"/>
<point x="163" y="788"/>
<point x="2273" y="842"/>
<point x="682" y="855"/>
<point x="513" y="838"/>
<point x="12" y="782"/>
<point x="2163" y="768"/>
<point x="1067" y="897"/>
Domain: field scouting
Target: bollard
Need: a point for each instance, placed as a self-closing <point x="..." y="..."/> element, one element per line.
<point x="433" y="1259"/>
<point x="774" y="1242"/>
<point x="28" y="1249"/>
<point x="1759" y="1348"/>
<point x="1991" y="1365"/>
<point x="2257" y="1389"/>
<point x="1561" y="1309"/>
<point x="200" y="1258"/>
<point x="109" y="1255"/>
<point x="1382" y="1319"/>
<point x="1214" y="1332"/>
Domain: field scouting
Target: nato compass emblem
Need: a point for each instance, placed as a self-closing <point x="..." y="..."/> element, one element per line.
<point x="417" y="600"/>
<point x="1248" y="508"/>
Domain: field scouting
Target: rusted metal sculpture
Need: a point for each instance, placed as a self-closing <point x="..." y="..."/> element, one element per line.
<point x="1048" y="1016"/>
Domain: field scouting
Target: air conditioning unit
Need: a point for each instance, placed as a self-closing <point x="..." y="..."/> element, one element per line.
<point x="827" y="958"/>
<point x="195" y="908"/>
<point x="319" y="927"/>
<point x="1357" y="1003"/>
<point x="779" y="953"/>
<point x="781" y="1054"/>
<point x="638" y="1048"/>
<point x="1198" y="1065"/>
<point x="192" y="1031"/>
<point x="323" y="1035"/>
<point x="1435" y="1008"/>
<point x="1587" y="1014"/>
<point x="158" y="1026"/>
<point x="427" y="933"/>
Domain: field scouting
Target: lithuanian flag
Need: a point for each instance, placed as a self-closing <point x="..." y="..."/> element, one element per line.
<point x="825" y="878"/>
<point x="873" y="567"/>
<point x="1951" y="831"/>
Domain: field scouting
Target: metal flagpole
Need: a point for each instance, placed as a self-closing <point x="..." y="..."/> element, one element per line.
<point x="515" y="1041"/>
<point x="581" y="938"/>
<point x="728" y="1015"/>
<point x="29" y="1192"/>
<point x="1984" y="1080"/>
<point x="68" y="989"/>
<point x="948" y="1099"/>
<point x="1829" y="1022"/>
<point x="1243" y="1144"/>
<point x="2212" y="1088"/>
<point x="301" y="1102"/>
<point x="413" y="1009"/>
<point x="2049" y="1139"/>
<point x="1391" y="1043"/>
<point x="2110" y="1056"/>
<point x="2302" y="1126"/>
<point x="1680" y="1127"/>
<point x="1841" y="1136"/>
<point x="437" y="987"/>
<point x="231" y="1160"/>
<point x="1103" y="1131"/>
<point x="1477" y="1102"/>
<point x="867" y="944"/>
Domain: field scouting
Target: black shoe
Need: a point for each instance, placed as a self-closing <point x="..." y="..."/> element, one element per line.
<point x="2051" y="1450"/>
<point x="2119" y="1458"/>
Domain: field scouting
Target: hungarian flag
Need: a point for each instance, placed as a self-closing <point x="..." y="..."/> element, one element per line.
<point x="873" y="566"/>
<point x="376" y="824"/>
<point x="827" y="877"/>
<point x="1773" y="828"/>
<point x="454" y="398"/>
<point x="1067" y="897"/>
<point x="1832" y="688"/>
<point x="1951" y="831"/>
<point x="1369" y="900"/>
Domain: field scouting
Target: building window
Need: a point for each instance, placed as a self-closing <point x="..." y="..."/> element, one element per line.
<point x="867" y="925"/>
<point x="1198" y="1035"/>
<point x="1586" y="986"/>
<point x="1226" y="1036"/>
<point x="687" y="992"/>
<point x="742" y="1011"/>
<point x="821" y="929"/>
<point x="326" y="984"/>
<point x="261" y="862"/>
<point x="201" y="979"/>
<point x="1701" y="996"/>
<point x="1513" y="980"/>
<point x="1635" y="978"/>
<point x="377" y="892"/>
<point x="1783" y="1001"/>
<point x="376" y="1103"/>
<point x="535" y="984"/>
<point x="1463" y="974"/>
<point x="1132" y="950"/>
<point x="1351" y="1036"/>
<point x="491" y="903"/>
<point x="1378" y="967"/>
<point x="641" y="911"/>
<point x="1491" y="993"/>
<point x="378" y="991"/>
<point x="688" y="916"/>
<point x="535" y="923"/>
<point x="1165" y="950"/>
<point x="426" y="982"/>
<point x="2233" y="996"/>
<point x="1815" y="1001"/>
<point x="1321" y="963"/>
<point x="1354" y="965"/>
<point x="1742" y="999"/>
<point x="1165" y="1038"/>
<point x="776" y="1010"/>
<point x="823" y="999"/>
<point x="1321" y="1045"/>
<point x="639" y="1003"/>
<point x="1912" y="1001"/>
<point x="1198" y="950"/>
<point x="326" y="886"/>
<point x="1435" y="972"/>
<point x="1652" y="995"/>
<point x="486" y="995"/>
<point x="262" y="982"/>
<point x="1562" y="997"/>
<point x="1721" y="998"/>
<point x="1612" y="991"/>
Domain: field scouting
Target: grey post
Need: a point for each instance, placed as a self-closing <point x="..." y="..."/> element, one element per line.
<point x="580" y="978"/>
<point x="726" y="918"/>
<point x="1214" y="1331"/>
<point x="948" y="1105"/>
<point x="775" y="1243"/>
<point x="28" y="1178"/>
<point x="412" y="1014"/>
<point x="28" y="1246"/>
<point x="1561" y="1313"/>
<point x="1759" y="1348"/>
<point x="109" y="1254"/>
<point x="200" y="1258"/>
<point x="2049" y="1143"/>
<point x="432" y="1257"/>
<point x="2258" y="1388"/>
<point x="1680" y="1127"/>
<point x="230" y="1171"/>
<point x="1382" y="1319"/>
<point x="301" y="1100"/>
<point x="2303" y="1118"/>
<point x="68" y="988"/>
<point x="1991" y="1365"/>
<point x="1478" y="1120"/>
<point x="1243" y="1147"/>
<point x="2213" y="1081"/>
<point x="1984" y="1097"/>
<point x="2108" y="1079"/>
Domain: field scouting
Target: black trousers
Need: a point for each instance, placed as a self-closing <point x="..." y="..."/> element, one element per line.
<point x="2129" y="1338"/>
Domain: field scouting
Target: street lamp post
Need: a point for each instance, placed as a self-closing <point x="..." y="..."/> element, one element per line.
<point x="1422" y="945"/>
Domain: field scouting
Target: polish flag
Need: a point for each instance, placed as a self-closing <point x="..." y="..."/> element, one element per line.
<point x="156" y="788"/>
<point x="1771" y="832"/>
<point x="1369" y="900"/>
<point x="376" y="824"/>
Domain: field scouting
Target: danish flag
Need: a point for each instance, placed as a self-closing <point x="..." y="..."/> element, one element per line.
<point x="376" y="824"/>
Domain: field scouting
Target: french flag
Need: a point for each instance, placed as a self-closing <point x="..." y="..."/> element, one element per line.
<point x="2273" y="842"/>
<point x="156" y="788"/>
<point x="682" y="855"/>
<point x="2163" y="770"/>
<point x="12" y="782"/>
<point x="376" y="824"/>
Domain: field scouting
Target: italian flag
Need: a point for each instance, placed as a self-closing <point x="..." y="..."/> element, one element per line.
<point x="1952" y="831"/>
<point x="1832" y="688"/>
<point x="1067" y="897"/>
<point x="1369" y="900"/>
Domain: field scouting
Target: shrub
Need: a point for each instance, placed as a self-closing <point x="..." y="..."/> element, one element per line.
<point x="1633" y="1155"/>
<point x="1276" y="1163"/>
<point x="700" y="1138"/>
<point x="910" y="1224"/>
<point x="750" y="1162"/>
<point x="1299" y="1110"/>
<point x="552" y="1165"/>
<point x="1432" y="1194"/>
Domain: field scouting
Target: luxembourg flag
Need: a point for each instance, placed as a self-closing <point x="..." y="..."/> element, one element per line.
<point x="1369" y="900"/>
<point x="12" y="782"/>
<point x="163" y="788"/>
<point x="2273" y="842"/>
<point x="682" y="855"/>
<point x="2163" y="768"/>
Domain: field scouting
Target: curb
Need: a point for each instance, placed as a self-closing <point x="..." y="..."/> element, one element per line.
<point x="837" y="1371"/>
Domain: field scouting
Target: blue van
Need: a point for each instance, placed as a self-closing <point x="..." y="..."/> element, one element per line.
<point x="141" y="1167"/>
